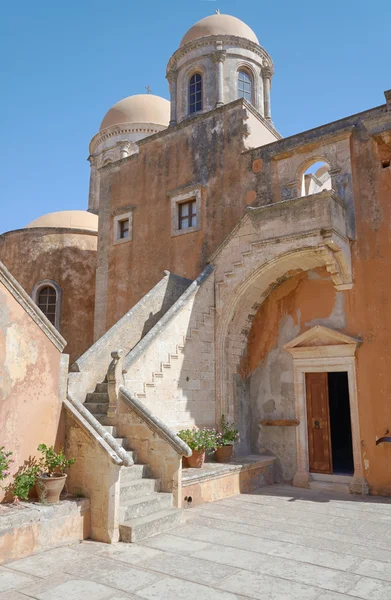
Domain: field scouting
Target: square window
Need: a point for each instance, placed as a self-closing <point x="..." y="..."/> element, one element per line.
<point x="123" y="228"/>
<point x="186" y="212"/>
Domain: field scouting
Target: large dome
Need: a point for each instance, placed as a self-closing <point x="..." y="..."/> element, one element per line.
<point x="219" y="25"/>
<point x="142" y="108"/>
<point x="70" y="219"/>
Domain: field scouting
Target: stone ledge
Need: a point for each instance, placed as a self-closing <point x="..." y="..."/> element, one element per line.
<point x="214" y="470"/>
<point x="30" y="527"/>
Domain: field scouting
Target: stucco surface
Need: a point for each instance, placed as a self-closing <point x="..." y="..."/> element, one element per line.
<point x="67" y="258"/>
<point x="32" y="375"/>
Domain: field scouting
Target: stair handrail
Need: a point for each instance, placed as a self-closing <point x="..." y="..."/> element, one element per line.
<point x="133" y="356"/>
<point x="154" y="422"/>
<point x="124" y="458"/>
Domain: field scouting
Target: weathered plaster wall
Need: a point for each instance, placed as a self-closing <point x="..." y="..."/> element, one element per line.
<point x="66" y="257"/>
<point x="33" y="378"/>
<point x="203" y="152"/>
<point x="304" y="300"/>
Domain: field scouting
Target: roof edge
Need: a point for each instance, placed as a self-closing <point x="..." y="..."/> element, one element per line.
<point x="31" y="308"/>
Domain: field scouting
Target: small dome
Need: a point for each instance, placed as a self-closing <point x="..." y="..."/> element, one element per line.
<point x="142" y="108"/>
<point x="219" y="25"/>
<point x="71" y="219"/>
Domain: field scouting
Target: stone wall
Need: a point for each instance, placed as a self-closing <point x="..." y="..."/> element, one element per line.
<point x="32" y="373"/>
<point x="97" y="476"/>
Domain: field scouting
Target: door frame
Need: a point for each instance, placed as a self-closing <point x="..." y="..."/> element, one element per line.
<point x="321" y="349"/>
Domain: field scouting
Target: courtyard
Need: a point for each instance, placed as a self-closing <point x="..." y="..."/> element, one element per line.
<point x="278" y="543"/>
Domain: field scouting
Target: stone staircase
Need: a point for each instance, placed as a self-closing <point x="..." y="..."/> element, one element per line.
<point x="144" y="510"/>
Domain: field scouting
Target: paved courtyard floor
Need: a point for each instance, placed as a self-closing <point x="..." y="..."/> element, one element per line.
<point x="279" y="543"/>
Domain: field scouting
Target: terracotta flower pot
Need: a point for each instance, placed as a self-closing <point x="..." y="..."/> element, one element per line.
<point x="224" y="454"/>
<point x="196" y="460"/>
<point x="50" y="488"/>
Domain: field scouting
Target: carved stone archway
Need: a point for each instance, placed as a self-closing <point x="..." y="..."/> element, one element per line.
<point x="320" y="350"/>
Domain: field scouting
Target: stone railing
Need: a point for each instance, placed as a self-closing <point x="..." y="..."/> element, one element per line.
<point x="154" y="423"/>
<point x="91" y="367"/>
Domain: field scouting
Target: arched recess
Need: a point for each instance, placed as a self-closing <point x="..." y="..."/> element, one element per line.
<point x="37" y="291"/>
<point x="234" y="315"/>
<point x="314" y="175"/>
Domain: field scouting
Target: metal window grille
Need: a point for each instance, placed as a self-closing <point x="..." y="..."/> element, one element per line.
<point x="187" y="214"/>
<point x="47" y="301"/>
<point x="195" y="93"/>
<point x="245" y="86"/>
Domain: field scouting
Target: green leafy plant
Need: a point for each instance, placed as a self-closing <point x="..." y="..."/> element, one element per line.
<point x="228" y="434"/>
<point x="199" y="440"/>
<point x="24" y="481"/>
<point x="53" y="462"/>
<point x="5" y="462"/>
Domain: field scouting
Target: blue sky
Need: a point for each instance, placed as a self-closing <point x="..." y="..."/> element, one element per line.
<point x="63" y="64"/>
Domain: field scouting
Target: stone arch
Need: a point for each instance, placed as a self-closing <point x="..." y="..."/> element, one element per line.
<point x="238" y="308"/>
<point x="305" y="165"/>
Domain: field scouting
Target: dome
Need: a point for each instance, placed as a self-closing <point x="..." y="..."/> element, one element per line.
<point x="142" y="108"/>
<point x="71" y="219"/>
<point x="219" y="25"/>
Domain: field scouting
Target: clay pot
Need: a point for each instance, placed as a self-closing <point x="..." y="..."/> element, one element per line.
<point x="50" y="488"/>
<point x="224" y="454"/>
<point x="196" y="460"/>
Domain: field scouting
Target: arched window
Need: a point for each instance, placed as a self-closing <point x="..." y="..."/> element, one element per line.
<point x="195" y="93"/>
<point x="47" y="295"/>
<point x="245" y="85"/>
<point x="316" y="178"/>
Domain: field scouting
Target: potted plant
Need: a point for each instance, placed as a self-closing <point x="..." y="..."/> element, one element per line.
<point x="46" y="473"/>
<point x="225" y="440"/>
<point x="199" y="441"/>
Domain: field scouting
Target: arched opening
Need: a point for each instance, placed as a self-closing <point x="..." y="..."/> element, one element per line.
<point x="47" y="296"/>
<point x="245" y="85"/>
<point x="316" y="178"/>
<point x="195" y="93"/>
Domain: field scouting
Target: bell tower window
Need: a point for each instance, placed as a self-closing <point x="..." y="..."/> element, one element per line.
<point x="195" y="93"/>
<point x="245" y="86"/>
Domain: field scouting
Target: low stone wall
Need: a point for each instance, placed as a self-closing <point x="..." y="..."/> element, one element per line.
<point x="217" y="481"/>
<point x="27" y="528"/>
<point x="96" y="474"/>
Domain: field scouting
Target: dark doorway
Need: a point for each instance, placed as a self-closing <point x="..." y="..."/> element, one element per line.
<point x="340" y="425"/>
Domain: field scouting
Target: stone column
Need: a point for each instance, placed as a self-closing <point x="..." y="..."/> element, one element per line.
<point x="124" y="148"/>
<point x="93" y="195"/>
<point x="267" y="78"/>
<point x="219" y="58"/>
<point x="172" y="77"/>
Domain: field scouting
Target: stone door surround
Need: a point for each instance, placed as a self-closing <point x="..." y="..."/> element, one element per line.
<point x="321" y="349"/>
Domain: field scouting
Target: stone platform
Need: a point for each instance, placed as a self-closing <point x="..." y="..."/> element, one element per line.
<point x="216" y="481"/>
<point x="30" y="527"/>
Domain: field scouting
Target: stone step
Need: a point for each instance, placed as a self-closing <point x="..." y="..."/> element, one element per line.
<point x="329" y="486"/>
<point x="139" y="487"/>
<point x="111" y="429"/>
<point x="101" y="388"/>
<point x="134" y="472"/>
<point x="140" y="528"/>
<point x="96" y="408"/>
<point x="122" y="442"/>
<point x="144" y="505"/>
<point x="97" y="397"/>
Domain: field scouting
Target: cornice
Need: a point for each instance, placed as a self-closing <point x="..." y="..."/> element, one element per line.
<point x="211" y="40"/>
<point x="52" y="230"/>
<point x="16" y="290"/>
<point x="123" y="128"/>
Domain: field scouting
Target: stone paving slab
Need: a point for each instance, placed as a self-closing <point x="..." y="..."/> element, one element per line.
<point x="276" y="544"/>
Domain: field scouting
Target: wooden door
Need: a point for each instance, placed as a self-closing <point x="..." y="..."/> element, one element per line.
<point x="318" y="421"/>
